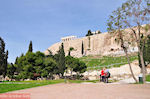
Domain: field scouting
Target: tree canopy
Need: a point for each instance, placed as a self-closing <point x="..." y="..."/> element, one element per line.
<point x="89" y="33"/>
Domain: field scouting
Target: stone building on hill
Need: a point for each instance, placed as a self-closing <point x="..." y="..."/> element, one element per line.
<point x="98" y="44"/>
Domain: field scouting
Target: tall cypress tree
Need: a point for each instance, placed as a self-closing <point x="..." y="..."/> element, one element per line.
<point x="82" y="48"/>
<point x="30" y="47"/>
<point x="16" y="61"/>
<point x="3" y="58"/>
<point x="61" y="62"/>
<point x="2" y="54"/>
<point x="5" y="63"/>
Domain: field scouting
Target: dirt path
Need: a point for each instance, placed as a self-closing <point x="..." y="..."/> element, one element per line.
<point x="89" y="91"/>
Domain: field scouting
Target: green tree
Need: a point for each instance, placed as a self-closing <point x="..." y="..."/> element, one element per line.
<point x="5" y="63"/>
<point x="20" y="63"/>
<point x="73" y="64"/>
<point x="11" y="70"/>
<point x="80" y="67"/>
<point x="70" y="49"/>
<point x="69" y="63"/>
<point x="16" y="61"/>
<point x="61" y="62"/>
<point x="89" y="33"/>
<point x="30" y="47"/>
<point x="50" y="68"/>
<point x="33" y="65"/>
<point x="25" y="66"/>
<point x="82" y="48"/>
<point x="3" y="58"/>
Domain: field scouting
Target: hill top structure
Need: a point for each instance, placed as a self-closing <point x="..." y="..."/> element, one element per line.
<point x="97" y="44"/>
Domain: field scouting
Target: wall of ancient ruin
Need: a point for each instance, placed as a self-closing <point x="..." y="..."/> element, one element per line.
<point x="99" y="44"/>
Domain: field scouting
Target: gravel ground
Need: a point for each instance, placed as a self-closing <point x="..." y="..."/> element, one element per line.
<point x="89" y="91"/>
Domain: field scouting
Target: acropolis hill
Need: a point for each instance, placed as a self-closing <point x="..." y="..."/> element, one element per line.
<point x="98" y="44"/>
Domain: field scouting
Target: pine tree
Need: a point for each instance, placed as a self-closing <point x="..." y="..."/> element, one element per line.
<point x="61" y="62"/>
<point x="82" y="48"/>
<point x="30" y="47"/>
<point x="89" y="33"/>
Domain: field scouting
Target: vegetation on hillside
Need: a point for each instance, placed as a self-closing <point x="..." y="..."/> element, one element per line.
<point x="97" y="62"/>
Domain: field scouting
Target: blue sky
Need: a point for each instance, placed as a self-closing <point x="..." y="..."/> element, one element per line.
<point x="46" y="21"/>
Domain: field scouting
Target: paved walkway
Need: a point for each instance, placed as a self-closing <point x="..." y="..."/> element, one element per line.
<point x="89" y="91"/>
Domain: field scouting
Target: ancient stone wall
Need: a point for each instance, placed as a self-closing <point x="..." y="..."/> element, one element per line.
<point x="99" y="44"/>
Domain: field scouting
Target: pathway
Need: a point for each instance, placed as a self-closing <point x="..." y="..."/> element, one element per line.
<point x="89" y="91"/>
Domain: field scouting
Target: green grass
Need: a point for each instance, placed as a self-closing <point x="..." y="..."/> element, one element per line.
<point x="96" y="62"/>
<point x="18" y="85"/>
<point x="148" y="78"/>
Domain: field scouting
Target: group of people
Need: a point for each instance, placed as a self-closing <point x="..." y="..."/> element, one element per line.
<point x="105" y="74"/>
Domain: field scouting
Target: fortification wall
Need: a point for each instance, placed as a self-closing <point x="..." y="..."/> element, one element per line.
<point x="99" y="44"/>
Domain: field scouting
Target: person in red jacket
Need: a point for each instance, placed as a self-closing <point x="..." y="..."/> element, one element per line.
<point x="103" y="74"/>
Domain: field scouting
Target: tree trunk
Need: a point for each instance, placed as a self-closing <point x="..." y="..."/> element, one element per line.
<point x="143" y="66"/>
<point x="125" y="50"/>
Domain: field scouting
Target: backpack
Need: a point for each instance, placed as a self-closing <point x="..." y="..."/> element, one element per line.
<point x="107" y="75"/>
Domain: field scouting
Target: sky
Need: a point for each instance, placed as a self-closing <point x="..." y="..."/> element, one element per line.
<point x="44" y="22"/>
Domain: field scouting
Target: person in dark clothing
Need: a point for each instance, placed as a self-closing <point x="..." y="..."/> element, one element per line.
<point x="107" y="75"/>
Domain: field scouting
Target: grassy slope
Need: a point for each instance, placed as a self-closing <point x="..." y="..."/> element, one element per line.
<point x="93" y="61"/>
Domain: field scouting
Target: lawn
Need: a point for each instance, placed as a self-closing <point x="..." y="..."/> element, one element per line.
<point x="17" y="85"/>
<point x="148" y="78"/>
<point x="96" y="62"/>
